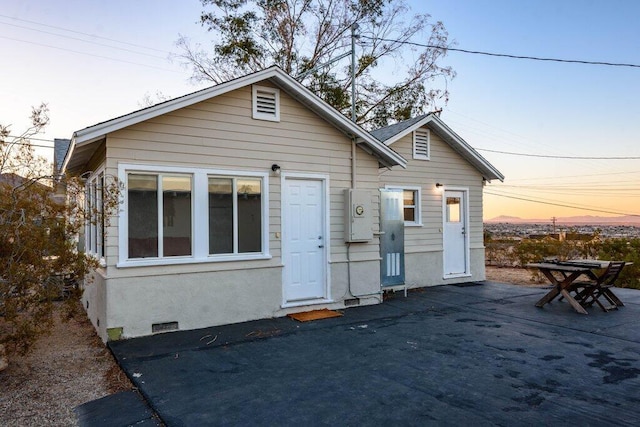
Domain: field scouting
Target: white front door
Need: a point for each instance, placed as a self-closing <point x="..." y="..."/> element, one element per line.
<point x="455" y="233"/>
<point x="304" y="235"/>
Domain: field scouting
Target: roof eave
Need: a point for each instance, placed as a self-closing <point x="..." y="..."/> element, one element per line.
<point x="385" y="155"/>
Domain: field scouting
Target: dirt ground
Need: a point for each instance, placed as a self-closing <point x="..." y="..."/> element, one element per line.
<point x="516" y="276"/>
<point x="72" y="366"/>
<point x="67" y="368"/>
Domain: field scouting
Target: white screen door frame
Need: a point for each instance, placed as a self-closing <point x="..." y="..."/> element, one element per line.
<point x="455" y="233"/>
<point x="305" y="239"/>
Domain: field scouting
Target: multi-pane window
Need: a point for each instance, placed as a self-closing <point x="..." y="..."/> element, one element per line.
<point x="159" y="229"/>
<point x="95" y="225"/>
<point x="193" y="215"/>
<point x="410" y="204"/>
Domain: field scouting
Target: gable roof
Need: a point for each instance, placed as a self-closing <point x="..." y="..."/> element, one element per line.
<point x="390" y="134"/>
<point x="84" y="142"/>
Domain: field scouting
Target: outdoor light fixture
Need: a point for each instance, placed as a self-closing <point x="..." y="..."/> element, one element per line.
<point x="438" y="185"/>
<point x="275" y="168"/>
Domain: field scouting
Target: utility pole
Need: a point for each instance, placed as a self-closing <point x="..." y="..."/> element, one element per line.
<point x="354" y="28"/>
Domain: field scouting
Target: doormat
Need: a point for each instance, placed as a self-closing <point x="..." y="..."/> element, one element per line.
<point x="466" y="284"/>
<point x="307" y="316"/>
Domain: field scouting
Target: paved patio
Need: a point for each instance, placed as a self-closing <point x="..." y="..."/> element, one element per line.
<point x="447" y="355"/>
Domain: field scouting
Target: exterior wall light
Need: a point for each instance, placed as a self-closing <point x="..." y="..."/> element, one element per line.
<point x="275" y="169"/>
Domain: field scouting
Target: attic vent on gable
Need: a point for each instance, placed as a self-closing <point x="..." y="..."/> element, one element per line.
<point x="266" y="103"/>
<point x="421" y="143"/>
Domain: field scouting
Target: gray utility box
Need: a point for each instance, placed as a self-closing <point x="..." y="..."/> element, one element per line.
<point x="358" y="222"/>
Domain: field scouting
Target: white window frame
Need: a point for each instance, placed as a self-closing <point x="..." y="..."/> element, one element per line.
<point x="199" y="212"/>
<point x="94" y="232"/>
<point x="258" y="115"/>
<point x="419" y="156"/>
<point x="418" y="206"/>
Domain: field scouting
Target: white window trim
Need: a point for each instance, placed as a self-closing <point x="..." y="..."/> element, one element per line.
<point x="200" y="217"/>
<point x="418" y="206"/>
<point x="89" y="226"/>
<point x="254" y="101"/>
<point x="417" y="156"/>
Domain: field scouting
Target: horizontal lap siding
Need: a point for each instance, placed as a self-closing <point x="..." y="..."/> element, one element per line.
<point x="447" y="167"/>
<point x="220" y="133"/>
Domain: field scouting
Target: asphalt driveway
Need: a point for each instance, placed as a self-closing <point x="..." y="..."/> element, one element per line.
<point x="447" y="355"/>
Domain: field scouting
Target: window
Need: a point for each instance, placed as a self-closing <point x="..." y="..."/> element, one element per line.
<point x="266" y="103"/>
<point x="159" y="229"/>
<point x="421" y="144"/>
<point x="182" y="215"/>
<point x="94" y="228"/>
<point x="411" y="196"/>
<point x="235" y="215"/>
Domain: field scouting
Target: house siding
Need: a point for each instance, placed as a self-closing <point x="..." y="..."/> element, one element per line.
<point x="221" y="134"/>
<point x="424" y="245"/>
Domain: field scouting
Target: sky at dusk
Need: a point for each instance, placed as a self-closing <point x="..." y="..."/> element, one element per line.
<point x="92" y="61"/>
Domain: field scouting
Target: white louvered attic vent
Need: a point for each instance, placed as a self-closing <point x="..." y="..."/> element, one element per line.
<point x="266" y="103"/>
<point x="421" y="142"/>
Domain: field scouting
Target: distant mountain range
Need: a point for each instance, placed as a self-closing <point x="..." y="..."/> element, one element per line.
<point x="570" y="220"/>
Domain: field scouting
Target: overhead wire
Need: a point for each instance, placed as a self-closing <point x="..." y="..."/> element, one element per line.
<point x="82" y="33"/>
<point x="561" y="204"/>
<point x="506" y="55"/>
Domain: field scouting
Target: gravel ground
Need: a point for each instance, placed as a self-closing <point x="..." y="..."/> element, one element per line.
<point x="67" y="368"/>
<point x="72" y="366"/>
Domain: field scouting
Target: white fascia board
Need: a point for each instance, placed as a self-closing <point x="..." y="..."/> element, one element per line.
<point x="468" y="151"/>
<point x="65" y="162"/>
<point x="329" y="113"/>
<point x="457" y="143"/>
<point x="93" y="133"/>
<point x="410" y="129"/>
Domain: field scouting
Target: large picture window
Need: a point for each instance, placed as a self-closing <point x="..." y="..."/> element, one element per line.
<point x="192" y="215"/>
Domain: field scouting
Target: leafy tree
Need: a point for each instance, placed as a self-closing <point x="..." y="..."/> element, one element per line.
<point x="39" y="263"/>
<point x="302" y="35"/>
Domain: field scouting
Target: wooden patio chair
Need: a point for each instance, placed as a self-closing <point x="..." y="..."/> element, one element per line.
<point x="590" y="292"/>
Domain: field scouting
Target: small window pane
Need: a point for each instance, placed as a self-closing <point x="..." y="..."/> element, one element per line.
<point x="410" y="214"/>
<point x="453" y="209"/>
<point x="143" y="215"/>
<point x="409" y="197"/>
<point x="409" y="200"/>
<point x="176" y="209"/>
<point x="220" y="216"/>
<point x="249" y="199"/>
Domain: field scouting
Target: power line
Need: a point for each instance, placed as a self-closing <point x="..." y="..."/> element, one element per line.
<point x="505" y="55"/>
<point x="85" y="41"/>
<point x="91" y="54"/>
<point x="84" y="34"/>
<point x="548" y="156"/>
<point x="560" y="204"/>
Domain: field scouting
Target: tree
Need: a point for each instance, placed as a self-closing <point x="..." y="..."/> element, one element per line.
<point x="302" y="35"/>
<point x="39" y="263"/>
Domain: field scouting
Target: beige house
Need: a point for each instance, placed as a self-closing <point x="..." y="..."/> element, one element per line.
<point x="248" y="200"/>
<point x="441" y="194"/>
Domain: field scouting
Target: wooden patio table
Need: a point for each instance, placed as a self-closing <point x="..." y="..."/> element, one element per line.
<point x="569" y="271"/>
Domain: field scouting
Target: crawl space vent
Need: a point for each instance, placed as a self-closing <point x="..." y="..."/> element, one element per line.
<point x="164" y="327"/>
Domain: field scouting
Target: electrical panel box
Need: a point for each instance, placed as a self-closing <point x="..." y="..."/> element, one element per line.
<point x="358" y="223"/>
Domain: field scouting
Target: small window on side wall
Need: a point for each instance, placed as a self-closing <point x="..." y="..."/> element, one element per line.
<point x="411" y="197"/>
<point x="422" y="144"/>
<point x="266" y="103"/>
